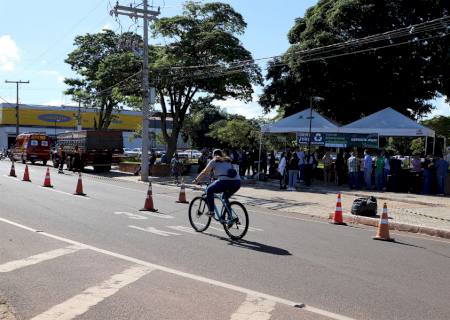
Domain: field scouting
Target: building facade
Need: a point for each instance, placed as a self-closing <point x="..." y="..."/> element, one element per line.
<point x="54" y="120"/>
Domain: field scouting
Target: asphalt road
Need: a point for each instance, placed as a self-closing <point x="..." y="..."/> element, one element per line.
<point x="65" y="257"/>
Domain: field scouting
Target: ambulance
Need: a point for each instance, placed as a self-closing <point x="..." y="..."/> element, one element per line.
<point x="32" y="147"/>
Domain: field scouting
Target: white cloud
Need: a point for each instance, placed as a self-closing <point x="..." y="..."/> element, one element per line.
<point x="249" y="110"/>
<point x="9" y="53"/>
<point x="441" y="108"/>
<point x="53" y="73"/>
<point x="106" y="27"/>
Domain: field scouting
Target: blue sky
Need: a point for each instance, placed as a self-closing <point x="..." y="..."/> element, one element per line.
<point x="35" y="37"/>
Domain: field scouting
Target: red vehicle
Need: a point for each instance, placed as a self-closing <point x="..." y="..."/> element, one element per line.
<point x="32" y="147"/>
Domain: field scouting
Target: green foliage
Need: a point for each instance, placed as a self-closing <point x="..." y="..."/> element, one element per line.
<point x="440" y="124"/>
<point x="205" y="34"/>
<point x="102" y="60"/>
<point x="417" y="146"/>
<point x="403" y="77"/>
<point x="236" y="133"/>
<point x="196" y="126"/>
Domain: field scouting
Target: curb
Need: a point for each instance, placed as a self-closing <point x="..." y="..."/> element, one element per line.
<point x="373" y="222"/>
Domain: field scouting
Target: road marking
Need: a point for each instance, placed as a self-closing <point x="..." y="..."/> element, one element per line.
<point x="17" y="264"/>
<point x="183" y="274"/>
<point x="156" y="231"/>
<point x="62" y="192"/>
<point x="130" y="215"/>
<point x="251" y="229"/>
<point x="183" y="229"/>
<point x="90" y="297"/>
<point x="254" y="308"/>
<point x="157" y="215"/>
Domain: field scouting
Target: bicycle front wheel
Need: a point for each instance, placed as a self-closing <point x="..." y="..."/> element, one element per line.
<point x="198" y="217"/>
<point x="236" y="225"/>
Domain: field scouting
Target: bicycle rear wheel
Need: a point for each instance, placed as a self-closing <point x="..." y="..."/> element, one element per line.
<point x="238" y="226"/>
<point x="198" y="217"/>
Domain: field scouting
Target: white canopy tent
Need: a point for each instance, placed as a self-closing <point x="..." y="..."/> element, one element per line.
<point x="388" y="123"/>
<point x="300" y="122"/>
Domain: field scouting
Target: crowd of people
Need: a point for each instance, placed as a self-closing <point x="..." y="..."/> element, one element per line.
<point x="367" y="171"/>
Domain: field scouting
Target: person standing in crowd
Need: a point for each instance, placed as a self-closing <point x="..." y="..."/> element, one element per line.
<point x="441" y="175"/>
<point x="272" y="164"/>
<point x="263" y="161"/>
<point x="308" y="171"/>
<point x="352" y="164"/>
<point x="175" y="167"/>
<point x="327" y="165"/>
<point x="62" y="159"/>
<point x="387" y="170"/>
<point x="360" y="171"/>
<point x="243" y="163"/>
<point x="340" y="167"/>
<point x="202" y="161"/>
<point x="379" y="171"/>
<point x="427" y="174"/>
<point x="76" y="161"/>
<point x="293" y="171"/>
<point x="368" y="169"/>
<point x="301" y="163"/>
<point x="282" y="171"/>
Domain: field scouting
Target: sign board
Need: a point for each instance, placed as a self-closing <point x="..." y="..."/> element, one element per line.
<point x="339" y="140"/>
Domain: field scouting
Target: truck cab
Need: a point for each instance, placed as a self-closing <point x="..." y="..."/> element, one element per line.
<point x="32" y="147"/>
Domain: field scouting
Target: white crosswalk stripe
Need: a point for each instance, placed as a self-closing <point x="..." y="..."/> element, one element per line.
<point x="183" y="229"/>
<point x="81" y="303"/>
<point x="17" y="264"/>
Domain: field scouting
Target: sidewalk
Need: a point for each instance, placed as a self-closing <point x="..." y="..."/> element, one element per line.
<point x="410" y="211"/>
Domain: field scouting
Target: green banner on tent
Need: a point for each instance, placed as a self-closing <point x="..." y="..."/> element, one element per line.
<point x="339" y="140"/>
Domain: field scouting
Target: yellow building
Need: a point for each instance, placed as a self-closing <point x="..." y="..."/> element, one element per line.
<point x="54" y="120"/>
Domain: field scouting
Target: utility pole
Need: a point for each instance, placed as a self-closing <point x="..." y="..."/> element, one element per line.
<point x="79" y="116"/>
<point x="17" y="102"/>
<point x="146" y="15"/>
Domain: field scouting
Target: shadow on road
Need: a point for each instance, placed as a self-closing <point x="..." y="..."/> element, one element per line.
<point x="253" y="245"/>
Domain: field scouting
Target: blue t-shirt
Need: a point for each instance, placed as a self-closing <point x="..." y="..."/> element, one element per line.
<point x="441" y="167"/>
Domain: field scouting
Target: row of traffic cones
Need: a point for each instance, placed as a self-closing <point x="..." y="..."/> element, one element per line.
<point x="47" y="181"/>
<point x="383" y="225"/>
<point x="149" y="206"/>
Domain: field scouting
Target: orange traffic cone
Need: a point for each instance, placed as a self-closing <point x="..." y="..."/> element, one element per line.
<point x="182" y="196"/>
<point x="47" y="182"/>
<point x="337" y="217"/>
<point x="148" y="206"/>
<point x="79" y="190"/>
<point x="12" y="172"/>
<point x="26" y="174"/>
<point x="383" y="227"/>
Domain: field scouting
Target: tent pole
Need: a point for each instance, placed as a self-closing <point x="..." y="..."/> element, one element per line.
<point x="434" y="143"/>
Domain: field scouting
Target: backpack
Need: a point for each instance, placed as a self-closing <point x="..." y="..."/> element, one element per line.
<point x="365" y="206"/>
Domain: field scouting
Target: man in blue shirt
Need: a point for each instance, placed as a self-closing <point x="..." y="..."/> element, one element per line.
<point x="367" y="169"/>
<point x="441" y="173"/>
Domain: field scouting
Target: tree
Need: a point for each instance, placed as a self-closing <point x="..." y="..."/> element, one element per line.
<point x="440" y="125"/>
<point x="205" y="35"/>
<point x="236" y="132"/>
<point x="202" y="114"/>
<point x="103" y="60"/>
<point x="404" y="77"/>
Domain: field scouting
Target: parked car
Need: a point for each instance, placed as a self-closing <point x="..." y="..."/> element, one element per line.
<point x="191" y="153"/>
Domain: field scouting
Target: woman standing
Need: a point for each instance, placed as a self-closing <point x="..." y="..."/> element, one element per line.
<point x="282" y="171"/>
<point x="327" y="165"/>
<point x="293" y="171"/>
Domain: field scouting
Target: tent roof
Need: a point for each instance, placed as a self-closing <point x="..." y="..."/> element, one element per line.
<point x="388" y="122"/>
<point x="299" y="122"/>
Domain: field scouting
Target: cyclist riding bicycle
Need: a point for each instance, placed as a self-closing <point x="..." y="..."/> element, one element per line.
<point x="228" y="183"/>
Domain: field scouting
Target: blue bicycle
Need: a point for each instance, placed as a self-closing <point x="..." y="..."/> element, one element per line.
<point x="232" y="215"/>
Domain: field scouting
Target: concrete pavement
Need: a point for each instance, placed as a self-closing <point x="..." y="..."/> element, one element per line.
<point x="284" y="259"/>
